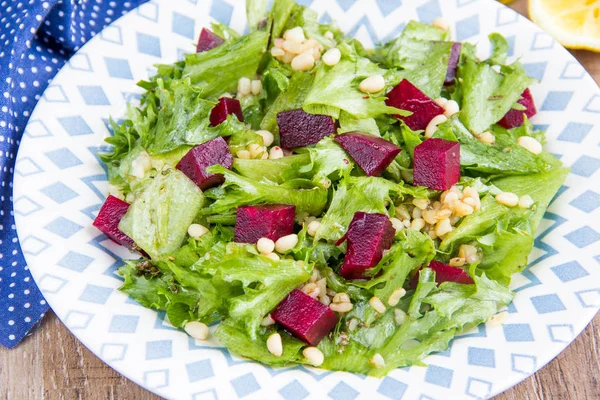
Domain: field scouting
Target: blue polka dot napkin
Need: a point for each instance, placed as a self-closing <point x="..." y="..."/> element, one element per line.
<point x="36" y="39"/>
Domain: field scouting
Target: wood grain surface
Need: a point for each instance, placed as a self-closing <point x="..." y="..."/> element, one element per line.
<point x="52" y="364"/>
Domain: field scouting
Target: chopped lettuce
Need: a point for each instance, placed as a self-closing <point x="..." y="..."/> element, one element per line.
<point x="157" y="220"/>
<point x="238" y="191"/>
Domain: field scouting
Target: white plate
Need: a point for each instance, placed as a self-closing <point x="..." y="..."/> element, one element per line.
<point x="60" y="185"/>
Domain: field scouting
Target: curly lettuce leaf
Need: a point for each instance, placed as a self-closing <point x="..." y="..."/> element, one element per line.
<point x="279" y="170"/>
<point x="157" y="220"/>
<point x="238" y="191"/>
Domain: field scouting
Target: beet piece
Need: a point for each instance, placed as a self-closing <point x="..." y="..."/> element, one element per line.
<point x="406" y="96"/>
<point x="108" y="219"/>
<point x="195" y="162"/>
<point x="372" y="154"/>
<point x="446" y="273"/>
<point x="437" y="164"/>
<point x="304" y="317"/>
<point x="224" y="107"/>
<point x="271" y="221"/>
<point x="453" y="63"/>
<point x="368" y="236"/>
<point x="300" y="129"/>
<point x="514" y="118"/>
<point x="208" y="40"/>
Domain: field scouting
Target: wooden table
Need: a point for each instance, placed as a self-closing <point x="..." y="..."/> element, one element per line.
<point x="52" y="364"/>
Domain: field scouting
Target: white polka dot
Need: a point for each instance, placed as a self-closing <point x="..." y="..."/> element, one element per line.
<point x="11" y="337"/>
<point x="26" y="305"/>
<point x="26" y="291"/>
<point x="11" y="309"/>
<point x="27" y="319"/>
<point x="11" y="322"/>
<point x="12" y="295"/>
<point x="43" y="302"/>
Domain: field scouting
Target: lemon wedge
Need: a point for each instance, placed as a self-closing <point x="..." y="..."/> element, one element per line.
<point x="574" y="23"/>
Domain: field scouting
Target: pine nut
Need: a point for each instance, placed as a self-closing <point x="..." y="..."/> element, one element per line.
<point x="451" y="108"/>
<point x="315" y="276"/>
<point x="397" y="224"/>
<point x="243" y="154"/>
<point x="265" y="245"/>
<point x="325" y="300"/>
<point x="267" y="137"/>
<point x="353" y="324"/>
<point x="293" y="47"/>
<point x="313" y="227"/>
<point x="372" y="84"/>
<point x="443" y="214"/>
<point x="278" y="43"/>
<point x="272" y="256"/>
<point x="406" y="223"/>
<point x="196" y="231"/>
<point x="267" y="321"/>
<point x="399" y="316"/>
<point x="295" y="34"/>
<point x="341" y="307"/>
<point x="443" y="227"/>
<point x="287" y="58"/>
<point x="322" y="285"/>
<point x="277" y="52"/>
<point x="256" y="150"/>
<point x="466" y="250"/>
<point x="274" y="344"/>
<point x="461" y="209"/>
<point x="432" y="126"/>
<point x="197" y="330"/>
<point x="421" y="204"/>
<point x="332" y="56"/>
<point x="526" y="201"/>
<point x="316" y="54"/>
<point x="487" y="138"/>
<point x="429" y="216"/>
<point x="473" y="258"/>
<point x="341" y="298"/>
<point x="470" y="192"/>
<point x="440" y="23"/>
<point x="329" y="35"/>
<point x="275" y="153"/>
<point x="244" y="87"/>
<point x="401" y="212"/>
<point x="498" y="319"/>
<point x="377" y="361"/>
<point x="377" y="304"/>
<point x="417" y="213"/>
<point x="314" y="356"/>
<point x="286" y="243"/>
<point x="457" y="262"/>
<point x="395" y="297"/>
<point x="256" y="87"/>
<point x="417" y="224"/>
<point x="440" y="101"/>
<point x="311" y="289"/>
<point x="508" y="199"/>
<point x="530" y="144"/>
<point x="303" y="62"/>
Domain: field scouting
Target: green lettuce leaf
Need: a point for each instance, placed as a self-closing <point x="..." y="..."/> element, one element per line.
<point x="279" y="170"/>
<point x="158" y="219"/>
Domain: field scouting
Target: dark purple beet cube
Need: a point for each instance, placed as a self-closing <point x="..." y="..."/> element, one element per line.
<point x="304" y="317"/>
<point x="368" y="236"/>
<point x="437" y="164"/>
<point x="371" y="153"/>
<point x="195" y="162"/>
<point x="300" y="129"/>
<point x="108" y="219"/>
<point x="406" y="96"/>
<point x="271" y="221"/>
<point x="208" y="40"/>
<point x="446" y="273"/>
<point x="224" y="107"/>
<point x="514" y="118"/>
<point x="453" y="63"/>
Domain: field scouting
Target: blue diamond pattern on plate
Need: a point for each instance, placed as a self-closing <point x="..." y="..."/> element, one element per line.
<point x="59" y="189"/>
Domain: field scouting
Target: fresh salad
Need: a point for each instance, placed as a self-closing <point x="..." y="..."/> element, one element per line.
<point x="347" y="208"/>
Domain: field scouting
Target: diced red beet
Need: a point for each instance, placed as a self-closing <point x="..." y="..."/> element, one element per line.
<point x="208" y="40"/>
<point x="453" y="63"/>
<point x="437" y="164"/>
<point x="300" y="129"/>
<point x="271" y="221"/>
<point x="371" y="153"/>
<point x="304" y="317"/>
<point x="224" y="107"/>
<point x="446" y="273"/>
<point x="195" y="162"/>
<point x="108" y="219"/>
<point x="514" y="118"/>
<point x="368" y="236"/>
<point x="406" y="96"/>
